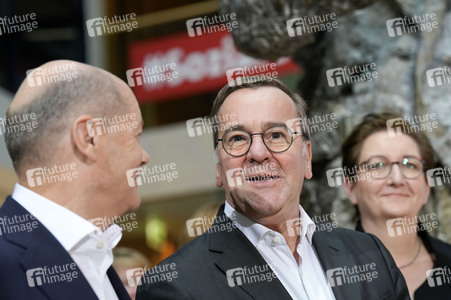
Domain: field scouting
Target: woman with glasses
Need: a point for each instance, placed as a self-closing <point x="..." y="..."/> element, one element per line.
<point x="394" y="157"/>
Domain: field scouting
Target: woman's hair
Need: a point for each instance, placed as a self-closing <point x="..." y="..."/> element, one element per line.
<point x="376" y="122"/>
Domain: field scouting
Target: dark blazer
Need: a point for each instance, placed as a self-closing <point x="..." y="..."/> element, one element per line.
<point x="441" y="254"/>
<point x="201" y="267"/>
<point x="22" y="250"/>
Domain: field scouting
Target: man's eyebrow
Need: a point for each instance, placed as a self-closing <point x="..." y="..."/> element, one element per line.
<point x="270" y="124"/>
<point x="236" y="127"/>
<point x="266" y="125"/>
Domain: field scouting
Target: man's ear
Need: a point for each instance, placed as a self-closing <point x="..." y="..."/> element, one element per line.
<point x="219" y="182"/>
<point x="307" y="156"/>
<point x="84" y="138"/>
<point x="349" y="187"/>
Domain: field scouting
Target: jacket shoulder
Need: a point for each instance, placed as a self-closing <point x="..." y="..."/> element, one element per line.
<point x="351" y="235"/>
<point x="191" y="252"/>
<point x="442" y="250"/>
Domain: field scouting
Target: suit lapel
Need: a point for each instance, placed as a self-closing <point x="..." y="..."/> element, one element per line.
<point x="119" y="288"/>
<point x="232" y="250"/>
<point x="42" y="250"/>
<point x="331" y="254"/>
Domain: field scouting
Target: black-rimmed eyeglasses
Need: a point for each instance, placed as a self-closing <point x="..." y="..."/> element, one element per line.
<point x="238" y="142"/>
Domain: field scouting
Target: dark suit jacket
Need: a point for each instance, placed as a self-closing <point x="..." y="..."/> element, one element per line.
<point x="441" y="254"/>
<point x="22" y="249"/>
<point x="201" y="267"/>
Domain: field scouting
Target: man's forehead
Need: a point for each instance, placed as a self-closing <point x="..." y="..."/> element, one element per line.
<point x="262" y="124"/>
<point x="248" y="100"/>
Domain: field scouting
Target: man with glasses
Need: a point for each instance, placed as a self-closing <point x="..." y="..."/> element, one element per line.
<point x="273" y="251"/>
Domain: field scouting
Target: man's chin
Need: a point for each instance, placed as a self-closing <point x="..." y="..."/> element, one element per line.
<point x="265" y="206"/>
<point x="135" y="204"/>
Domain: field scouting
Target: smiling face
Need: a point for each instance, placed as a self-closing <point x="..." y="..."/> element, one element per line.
<point x="276" y="197"/>
<point x="394" y="196"/>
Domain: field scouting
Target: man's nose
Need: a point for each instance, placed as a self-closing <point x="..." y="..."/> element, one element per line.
<point x="145" y="157"/>
<point x="258" y="151"/>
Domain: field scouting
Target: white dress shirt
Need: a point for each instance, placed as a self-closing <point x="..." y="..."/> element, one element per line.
<point x="89" y="247"/>
<point x="306" y="280"/>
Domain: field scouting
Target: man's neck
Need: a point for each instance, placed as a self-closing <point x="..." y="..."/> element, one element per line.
<point x="280" y="224"/>
<point x="76" y="202"/>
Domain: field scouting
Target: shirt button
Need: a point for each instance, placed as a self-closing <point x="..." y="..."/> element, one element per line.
<point x="100" y="245"/>
<point x="277" y="239"/>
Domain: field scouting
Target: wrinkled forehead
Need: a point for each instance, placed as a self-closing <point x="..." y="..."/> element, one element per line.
<point x="257" y="106"/>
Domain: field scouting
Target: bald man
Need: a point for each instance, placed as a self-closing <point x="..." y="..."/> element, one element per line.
<point x="71" y="167"/>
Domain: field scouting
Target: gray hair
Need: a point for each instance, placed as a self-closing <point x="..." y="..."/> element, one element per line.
<point x="56" y="106"/>
<point x="300" y="104"/>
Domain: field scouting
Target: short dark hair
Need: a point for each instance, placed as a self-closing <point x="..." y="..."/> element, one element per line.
<point x="376" y="122"/>
<point x="228" y="89"/>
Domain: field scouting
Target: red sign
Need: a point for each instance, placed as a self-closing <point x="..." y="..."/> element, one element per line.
<point x="178" y="66"/>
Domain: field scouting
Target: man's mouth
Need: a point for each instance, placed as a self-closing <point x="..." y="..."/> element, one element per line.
<point x="261" y="178"/>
